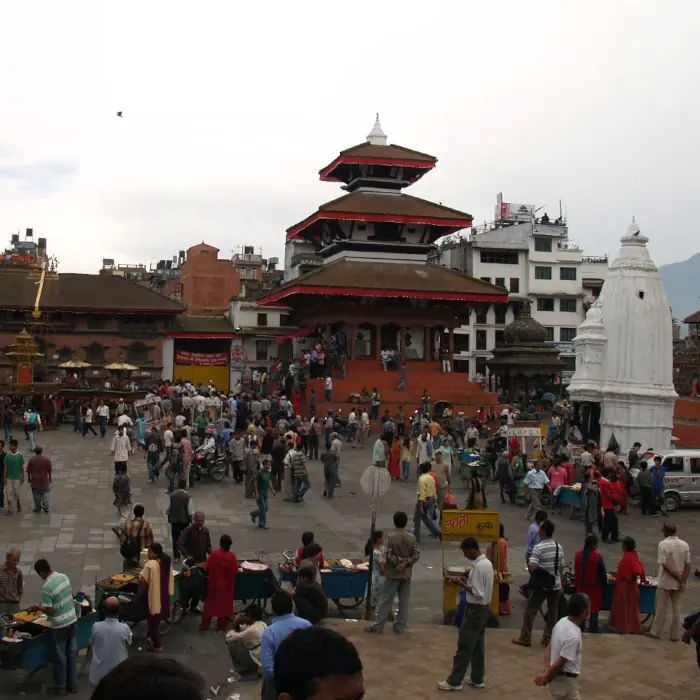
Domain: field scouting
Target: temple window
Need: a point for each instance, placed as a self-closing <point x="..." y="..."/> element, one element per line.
<point x="95" y="354"/>
<point x="137" y="354"/>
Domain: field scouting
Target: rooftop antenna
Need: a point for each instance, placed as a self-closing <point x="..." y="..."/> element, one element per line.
<point x="560" y="215"/>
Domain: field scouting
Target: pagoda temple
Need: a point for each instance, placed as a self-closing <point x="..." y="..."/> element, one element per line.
<point x="372" y="288"/>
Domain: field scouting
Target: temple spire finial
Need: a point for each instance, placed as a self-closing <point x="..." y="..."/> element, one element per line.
<point x="633" y="228"/>
<point x="377" y="137"/>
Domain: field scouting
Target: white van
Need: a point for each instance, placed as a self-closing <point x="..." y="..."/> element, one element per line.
<point x="682" y="481"/>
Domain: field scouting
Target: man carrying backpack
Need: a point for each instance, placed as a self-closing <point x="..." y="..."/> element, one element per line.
<point x="32" y="424"/>
<point x="136" y="536"/>
<point x="173" y="469"/>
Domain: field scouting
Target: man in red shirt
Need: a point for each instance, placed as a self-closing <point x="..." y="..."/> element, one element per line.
<point x="39" y="477"/>
<point x="610" y="496"/>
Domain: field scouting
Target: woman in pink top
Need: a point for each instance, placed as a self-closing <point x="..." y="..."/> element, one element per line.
<point x="558" y="476"/>
<point x="186" y="457"/>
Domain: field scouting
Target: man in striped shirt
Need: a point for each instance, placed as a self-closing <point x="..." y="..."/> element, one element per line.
<point x="548" y="558"/>
<point x="57" y="603"/>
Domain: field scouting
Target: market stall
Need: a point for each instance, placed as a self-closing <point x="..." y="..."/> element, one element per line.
<point x="456" y="526"/>
<point x="571" y="496"/>
<point x="125" y="587"/>
<point x="343" y="580"/>
<point x="26" y="642"/>
<point x="647" y="595"/>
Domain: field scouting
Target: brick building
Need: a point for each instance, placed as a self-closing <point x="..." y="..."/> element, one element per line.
<point x="97" y="318"/>
<point x="208" y="282"/>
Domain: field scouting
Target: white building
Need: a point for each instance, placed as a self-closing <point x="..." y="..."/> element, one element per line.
<point x="624" y="361"/>
<point x="529" y="258"/>
<point x="258" y="330"/>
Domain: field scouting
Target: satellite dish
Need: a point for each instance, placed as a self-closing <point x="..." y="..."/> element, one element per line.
<point x="375" y="481"/>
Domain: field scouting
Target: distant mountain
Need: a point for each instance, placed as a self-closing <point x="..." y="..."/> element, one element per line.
<point x="682" y="283"/>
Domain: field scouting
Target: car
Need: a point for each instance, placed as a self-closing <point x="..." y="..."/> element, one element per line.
<point x="682" y="480"/>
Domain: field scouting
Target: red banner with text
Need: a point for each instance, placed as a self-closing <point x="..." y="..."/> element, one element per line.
<point x="201" y="359"/>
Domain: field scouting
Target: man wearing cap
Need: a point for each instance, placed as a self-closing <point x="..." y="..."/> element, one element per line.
<point x="472" y="632"/>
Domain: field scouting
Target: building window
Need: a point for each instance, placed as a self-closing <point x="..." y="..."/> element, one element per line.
<point x="64" y="355"/>
<point x="461" y="366"/>
<point x="514" y="285"/>
<point x="285" y="320"/>
<point x="500" y="340"/>
<point x="500" y="314"/>
<point x="261" y="350"/>
<point x="95" y="354"/>
<point x="567" y="273"/>
<point x="566" y="335"/>
<point x="262" y="319"/>
<point x="481" y="340"/>
<point x="568" y="305"/>
<point x="499" y="257"/>
<point x="461" y="342"/>
<point x="486" y="279"/>
<point x="543" y="273"/>
<point x="481" y="366"/>
<point x="543" y="245"/>
<point x="500" y="282"/>
<point x="481" y="313"/>
<point x="137" y="354"/>
<point x="550" y="334"/>
<point x="545" y="304"/>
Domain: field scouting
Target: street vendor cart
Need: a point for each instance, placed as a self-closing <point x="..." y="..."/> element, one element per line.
<point x="26" y="643"/>
<point x="647" y="595"/>
<point x="456" y="525"/>
<point x="343" y="580"/>
<point x="125" y="587"/>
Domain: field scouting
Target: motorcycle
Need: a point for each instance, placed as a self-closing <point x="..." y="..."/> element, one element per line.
<point x="214" y="466"/>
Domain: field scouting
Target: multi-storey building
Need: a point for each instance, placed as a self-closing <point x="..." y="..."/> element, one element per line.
<point x="533" y="259"/>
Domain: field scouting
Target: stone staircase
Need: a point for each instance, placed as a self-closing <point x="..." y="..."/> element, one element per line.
<point x="453" y="387"/>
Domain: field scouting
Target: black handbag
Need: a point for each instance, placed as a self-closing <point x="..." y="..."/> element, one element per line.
<point x="541" y="580"/>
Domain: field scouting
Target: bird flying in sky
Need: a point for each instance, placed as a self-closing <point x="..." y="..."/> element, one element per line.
<point x="120" y="114"/>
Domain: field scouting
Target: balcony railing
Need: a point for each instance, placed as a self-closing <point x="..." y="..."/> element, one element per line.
<point x="595" y="259"/>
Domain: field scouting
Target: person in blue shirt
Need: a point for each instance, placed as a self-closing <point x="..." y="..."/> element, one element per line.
<point x="282" y="626"/>
<point x="657" y="483"/>
<point x="533" y="533"/>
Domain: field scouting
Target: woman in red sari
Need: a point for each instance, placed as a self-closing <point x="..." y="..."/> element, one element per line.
<point x="624" y="612"/>
<point x="222" y="567"/>
<point x="395" y="459"/>
<point x="590" y="577"/>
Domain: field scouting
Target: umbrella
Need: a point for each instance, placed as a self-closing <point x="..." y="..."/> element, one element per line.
<point x="121" y="367"/>
<point x="75" y="364"/>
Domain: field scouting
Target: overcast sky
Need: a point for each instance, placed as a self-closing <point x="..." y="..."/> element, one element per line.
<point x="231" y="108"/>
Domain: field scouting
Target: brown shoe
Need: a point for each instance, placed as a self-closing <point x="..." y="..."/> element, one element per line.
<point x="520" y="642"/>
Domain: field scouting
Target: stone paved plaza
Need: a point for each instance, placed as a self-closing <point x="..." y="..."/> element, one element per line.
<point x="77" y="539"/>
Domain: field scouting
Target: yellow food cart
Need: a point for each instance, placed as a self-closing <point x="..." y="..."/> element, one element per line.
<point x="456" y="526"/>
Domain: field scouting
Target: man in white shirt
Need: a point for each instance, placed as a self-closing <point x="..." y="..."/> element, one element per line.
<point x="472" y="436"/>
<point x="87" y="422"/>
<point x="352" y="427"/>
<point x="121" y="448"/>
<point x="472" y="632"/>
<point x="244" y="646"/>
<point x="674" y="569"/>
<point x="103" y="417"/>
<point x="329" y="388"/>
<point x="124" y="421"/>
<point x="535" y="480"/>
<point x="564" y="665"/>
<point x="363" y="428"/>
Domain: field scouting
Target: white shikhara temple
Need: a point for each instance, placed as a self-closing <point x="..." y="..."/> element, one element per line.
<point x="623" y="383"/>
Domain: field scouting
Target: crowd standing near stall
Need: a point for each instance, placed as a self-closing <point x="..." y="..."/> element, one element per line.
<point x="260" y="437"/>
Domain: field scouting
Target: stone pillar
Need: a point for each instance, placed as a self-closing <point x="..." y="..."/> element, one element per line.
<point x="452" y="349"/>
<point x="428" y="351"/>
<point x="402" y="343"/>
